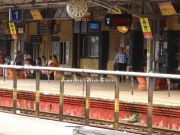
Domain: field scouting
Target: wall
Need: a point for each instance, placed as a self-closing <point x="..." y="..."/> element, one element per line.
<point x="116" y="40"/>
<point x="31" y="28"/>
<point x="89" y="63"/>
<point x="65" y="34"/>
<point x="66" y="30"/>
<point x="173" y="23"/>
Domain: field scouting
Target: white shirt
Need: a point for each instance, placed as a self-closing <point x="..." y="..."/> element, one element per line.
<point x="27" y="58"/>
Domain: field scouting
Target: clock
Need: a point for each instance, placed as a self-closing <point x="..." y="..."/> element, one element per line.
<point x="77" y="8"/>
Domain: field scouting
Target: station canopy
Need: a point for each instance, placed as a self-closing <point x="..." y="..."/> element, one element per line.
<point x="148" y="7"/>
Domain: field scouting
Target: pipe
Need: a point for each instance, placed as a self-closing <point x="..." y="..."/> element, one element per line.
<point x="75" y="70"/>
<point x="107" y="6"/>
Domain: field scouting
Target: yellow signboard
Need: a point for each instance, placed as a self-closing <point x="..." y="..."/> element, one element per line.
<point x="145" y="25"/>
<point x="146" y="28"/>
<point x="167" y="8"/>
<point x="12" y="28"/>
<point x="36" y="14"/>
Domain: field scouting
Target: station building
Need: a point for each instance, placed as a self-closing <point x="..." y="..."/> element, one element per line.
<point x="76" y="45"/>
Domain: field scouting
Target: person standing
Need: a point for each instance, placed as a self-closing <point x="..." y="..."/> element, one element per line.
<point x="120" y="62"/>
<point x="7" y="60"/>
<point x="44" y="61"/>
<point x="39" y="61"/>
<point x="54" y="62"/>
<point x="27" y="58"/>
<point x="49" y="61"/>
<point x="19" y="60"/>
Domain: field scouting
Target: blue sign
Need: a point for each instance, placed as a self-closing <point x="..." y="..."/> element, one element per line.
<point x="15" y="15"/>
<point x="94" y="27"/>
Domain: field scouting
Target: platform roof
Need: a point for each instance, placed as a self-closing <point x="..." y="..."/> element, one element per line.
<point x="148" y="8"/>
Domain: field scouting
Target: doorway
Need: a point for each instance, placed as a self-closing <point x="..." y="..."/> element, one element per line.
<point x="5" y="46"/>
<point x="36" y="48"/>
<point x="90" y="50"/>
<point x="138" y="52"/>
<point x="173" y="51"/>
<point x="62" y="51"/>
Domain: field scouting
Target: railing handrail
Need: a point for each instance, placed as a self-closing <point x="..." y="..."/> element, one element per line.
<point x="92" y="71"/>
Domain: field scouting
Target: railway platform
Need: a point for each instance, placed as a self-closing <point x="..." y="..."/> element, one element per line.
<point x="22" y="125"/>
<point x="132" y="106"/>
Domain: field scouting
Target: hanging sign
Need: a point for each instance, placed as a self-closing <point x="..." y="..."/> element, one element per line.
<point x="146" y="28"/>
<point x="15" y="15"/>
<point x="167" y="8"/>
<point x="12" y="29"/>
<point x="114" y="20"/>
<point x="36" y="14"/>
<point x="20" y="31"/>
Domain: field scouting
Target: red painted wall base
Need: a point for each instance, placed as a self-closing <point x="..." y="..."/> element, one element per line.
<point x="163" y="117"/>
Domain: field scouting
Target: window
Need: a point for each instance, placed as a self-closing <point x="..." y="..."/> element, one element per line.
<point x="90" y="46"/>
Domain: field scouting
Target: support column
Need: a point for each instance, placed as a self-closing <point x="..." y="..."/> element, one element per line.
<point x="149" y="90"/>
<point x="116" y="104"/>
<point x="37" y="92"/>
<point x="14" y="90"/>
<point x="87" y="101"/>
<point x="61" y="97"/>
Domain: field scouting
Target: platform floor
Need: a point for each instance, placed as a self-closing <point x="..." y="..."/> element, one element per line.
<point x="21" y="125"/>
<point x="103" y="90"/>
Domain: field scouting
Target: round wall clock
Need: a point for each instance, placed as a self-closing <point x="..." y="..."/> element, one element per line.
<point x="77" y="8"/>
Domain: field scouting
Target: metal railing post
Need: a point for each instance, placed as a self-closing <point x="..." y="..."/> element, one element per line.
<point x="169" y="87"/>
<point x="101" y="79"/>
<point x="48" y="76"/>
<point x="116" y="104"/>
<point x="150" y="104"/>
<point x="132" y="85"/>
<point x="14" y="90"/>
<point x="87" y="105"/>
<point x="75" y="79"/>
<point x="4" y="73"/>
<point x="61" y="97"/>
<point x="37" y="92"/>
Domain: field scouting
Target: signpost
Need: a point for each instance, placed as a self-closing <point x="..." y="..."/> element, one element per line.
<point x="148" y="36"/>
<point x="15" y="16"/>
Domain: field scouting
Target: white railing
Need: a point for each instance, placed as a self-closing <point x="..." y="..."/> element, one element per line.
<point x="85" y="72"/>
<point x="91" y="71"/>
